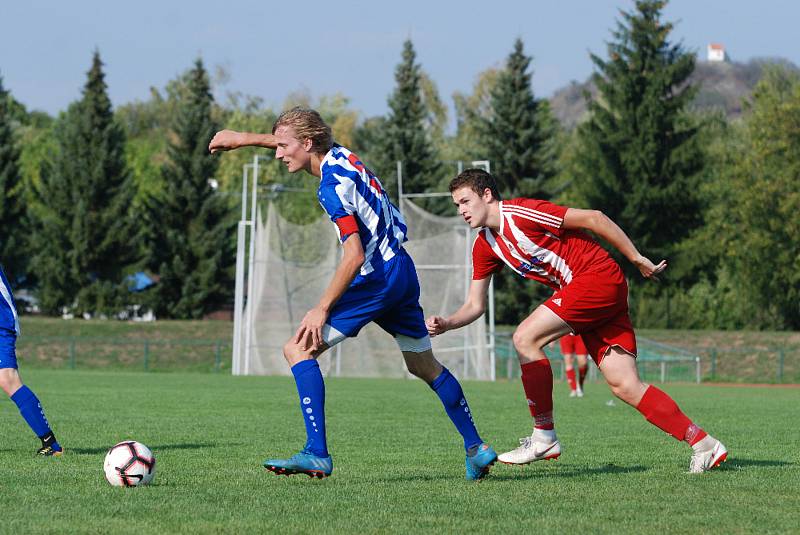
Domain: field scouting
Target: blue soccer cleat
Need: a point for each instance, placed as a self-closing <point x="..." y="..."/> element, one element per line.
<point x="303" y="462"/>
<point x="478" y="465"/>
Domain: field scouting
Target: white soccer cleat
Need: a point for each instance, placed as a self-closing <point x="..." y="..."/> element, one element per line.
<point x="573" y="393"/>
<point x="711" y="454"/>
<point x="580" y="392"/>
<point x="537" y="447"/>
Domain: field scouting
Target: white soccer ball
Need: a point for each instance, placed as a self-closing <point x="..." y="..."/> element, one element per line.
<point x="129" y="464"/>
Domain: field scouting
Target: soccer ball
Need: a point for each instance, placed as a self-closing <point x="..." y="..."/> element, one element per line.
<point x="129" y="464"/>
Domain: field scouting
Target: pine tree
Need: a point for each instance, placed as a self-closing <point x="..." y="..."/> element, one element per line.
<point x="12" y="207"/>
<point x="406" y="136"/>
<point x="189" y="228"/>
<point x="517" y="131"/>
<point x="86" y="241"/>
<point x="639" y="155"/>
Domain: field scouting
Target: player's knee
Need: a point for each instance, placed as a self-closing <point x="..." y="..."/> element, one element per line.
<point x="524" y="341"/>
<point x="625" y="390"/>
<point x="424" y="365"/>
<point x="521" y="340"/>
<point x="415" y="368"/>
<point x="427" y="374"/>
<point x="291" y="352"/>
<point x="9" y="380"/>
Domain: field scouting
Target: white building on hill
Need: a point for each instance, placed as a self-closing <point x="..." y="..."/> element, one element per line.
<point x="716" y="52"/>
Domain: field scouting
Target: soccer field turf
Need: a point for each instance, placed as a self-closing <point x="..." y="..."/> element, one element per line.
<point x="398" y="461"/>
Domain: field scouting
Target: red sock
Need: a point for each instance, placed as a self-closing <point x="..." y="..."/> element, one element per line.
<point x="661" y="410"/>
<point x="694" y="435"/>
<point x="537" y="380"/>
<point x="571" y="379"/>
<point x="582" y="374"/>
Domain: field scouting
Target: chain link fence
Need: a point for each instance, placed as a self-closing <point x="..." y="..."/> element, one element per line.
<point x="657" y="362"/>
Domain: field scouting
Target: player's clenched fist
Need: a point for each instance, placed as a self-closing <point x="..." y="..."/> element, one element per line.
<point x="225" y="140"/>
<point x="436" y="325"/>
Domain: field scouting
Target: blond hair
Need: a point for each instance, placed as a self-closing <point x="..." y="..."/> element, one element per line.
<point x="307" y="124"/>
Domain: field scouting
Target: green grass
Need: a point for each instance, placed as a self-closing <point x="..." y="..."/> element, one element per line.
<point x="41" y="326"/>
<point x="398" y="461"/>
<point x="102" y="344"/>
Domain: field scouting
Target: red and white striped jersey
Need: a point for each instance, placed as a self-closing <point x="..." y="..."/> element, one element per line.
<point x="532" y="242"/>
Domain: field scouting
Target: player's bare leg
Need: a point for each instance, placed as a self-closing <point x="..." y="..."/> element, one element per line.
<point x="422" y="363"/>
<point x="531" y="336"/>
<point x="619" y="369"/>
<point x="10" y="381"/>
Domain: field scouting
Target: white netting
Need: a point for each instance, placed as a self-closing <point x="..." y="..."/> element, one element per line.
<point x="293" y="266"/>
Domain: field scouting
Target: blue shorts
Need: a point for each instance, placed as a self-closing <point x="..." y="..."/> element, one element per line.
<point x="8" y="352"/>
<point x="391" y="301"/>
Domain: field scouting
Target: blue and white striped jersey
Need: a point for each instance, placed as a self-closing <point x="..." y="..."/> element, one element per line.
<point x="355" y="201"/>
<point x="8" y="308"/>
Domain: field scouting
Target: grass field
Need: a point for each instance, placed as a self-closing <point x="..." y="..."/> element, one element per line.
<point x="398" y="461"/>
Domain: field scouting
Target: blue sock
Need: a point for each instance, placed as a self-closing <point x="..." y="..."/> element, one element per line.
<point x="311" y="389"/>
<point x="31" y="409"/>
<point x="455" y="404"/>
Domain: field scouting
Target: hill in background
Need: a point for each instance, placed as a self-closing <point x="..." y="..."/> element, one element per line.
<point x="723" y="86"/>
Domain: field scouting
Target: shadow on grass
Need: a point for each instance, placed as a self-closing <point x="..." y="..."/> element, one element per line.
<point x="513" y="473"/>
<point x="519" y="472"/>
<point x="738" y="463"/>
<point x="156" y="448"/>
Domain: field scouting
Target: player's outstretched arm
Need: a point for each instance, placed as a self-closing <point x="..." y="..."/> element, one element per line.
<point x="231" y="140"/>
<point x="471" y="310"/>
<point x="600" y="224"/>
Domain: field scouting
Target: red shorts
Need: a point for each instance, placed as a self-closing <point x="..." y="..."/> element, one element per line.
<point x="572" y="344"/>
<point x="595" y="305"/>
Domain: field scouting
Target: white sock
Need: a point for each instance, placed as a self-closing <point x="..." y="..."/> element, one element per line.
<point x="547" y="436"/>
<point x="704" y="444"/>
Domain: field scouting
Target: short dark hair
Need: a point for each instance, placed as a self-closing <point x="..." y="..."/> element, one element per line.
<point x="477" y="180"/>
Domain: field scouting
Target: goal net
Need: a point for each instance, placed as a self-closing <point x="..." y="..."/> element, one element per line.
<point x="290" y="265"/>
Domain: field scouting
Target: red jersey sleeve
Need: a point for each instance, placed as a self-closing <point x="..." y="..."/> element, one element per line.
<point x="484" y="261"/>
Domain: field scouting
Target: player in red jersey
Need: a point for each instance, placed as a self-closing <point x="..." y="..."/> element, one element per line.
<point x="572" y="349"/>
<point x="543" y="241"/>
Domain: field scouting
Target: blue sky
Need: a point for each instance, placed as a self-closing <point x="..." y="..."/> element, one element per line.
<point x="273" y="48"/>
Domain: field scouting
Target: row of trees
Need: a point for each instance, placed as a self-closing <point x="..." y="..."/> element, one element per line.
<point x="96" y="194"/>
<point x="78" y="225"/>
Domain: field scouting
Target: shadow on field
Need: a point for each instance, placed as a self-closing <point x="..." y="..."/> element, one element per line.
<point x="739" y="463"/>
<point x="157" y="448"/>
<point x="518" y="472"/>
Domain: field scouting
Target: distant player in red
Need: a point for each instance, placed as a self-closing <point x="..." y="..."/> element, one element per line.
<point x="573" y="348"/>
<point x="542" y="241"/>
